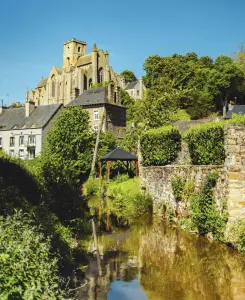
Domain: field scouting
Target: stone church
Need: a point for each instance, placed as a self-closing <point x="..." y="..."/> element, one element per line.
<point x="80" y="72"/>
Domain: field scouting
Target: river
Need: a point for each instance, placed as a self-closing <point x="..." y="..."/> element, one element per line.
<point x="162" y="262"/>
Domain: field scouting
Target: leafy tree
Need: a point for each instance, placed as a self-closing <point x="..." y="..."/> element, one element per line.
<point x="128" y="75"/>
<point x="69" y="146"/>
<point x="126" y="100"/>
<point x="197" y="85"/>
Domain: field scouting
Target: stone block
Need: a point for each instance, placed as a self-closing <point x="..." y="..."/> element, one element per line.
<point x="234" y="175"/>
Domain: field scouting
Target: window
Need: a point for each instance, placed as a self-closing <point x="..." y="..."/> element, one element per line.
<point x="1" y="141"/>
<point x="90" y="83"/>
<point x="53" y="86"/>
<point x="11" y="144"/>
<point x="138" y="93"/>
<point x="32" y="140"/>
<point x="21" y="140"/>
<point x="96" y="115"/>
<point x="96" y="128"/>
<point x="79" y="48"/>
<point x="11" y="153"/>
<point x="31" y="153"/>
<point x="21" y="154"/>
<point x="100" y="77"/>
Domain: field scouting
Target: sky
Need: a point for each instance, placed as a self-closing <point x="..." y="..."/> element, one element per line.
<point x="32" y="33"/>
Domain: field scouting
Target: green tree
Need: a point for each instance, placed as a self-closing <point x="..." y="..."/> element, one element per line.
<point x="128" y="75"/>
<point x="69" y="146"/>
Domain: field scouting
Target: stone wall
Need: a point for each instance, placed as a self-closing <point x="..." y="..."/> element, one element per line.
<point x="157" y="181"/>
<point x="230" y="188"/>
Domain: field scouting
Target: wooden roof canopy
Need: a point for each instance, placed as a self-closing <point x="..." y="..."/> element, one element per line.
<point x="119" y="154"/>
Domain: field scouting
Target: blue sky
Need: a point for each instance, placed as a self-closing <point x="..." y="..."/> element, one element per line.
<point x="32" y="33"/>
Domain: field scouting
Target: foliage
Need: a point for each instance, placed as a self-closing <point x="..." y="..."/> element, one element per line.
<point x="204" y="215"/>
<point x="197" y="85"/>
<point x="29" y="269"/>
<point x="125" y="200"/>
<point x="160" y="146"/>
<point x="206" y="143"/>
<point x="128" y="75"/>
<point x="126" y="100"/>
<point x="183" y="189"/>
<point x="68" y="148"/>
<point x="92" y="186"/>
<point x="235" y="234"/>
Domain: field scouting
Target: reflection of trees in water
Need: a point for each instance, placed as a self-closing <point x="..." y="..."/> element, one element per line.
<point x="177" y="265"/>
<point x="115" y="265"/>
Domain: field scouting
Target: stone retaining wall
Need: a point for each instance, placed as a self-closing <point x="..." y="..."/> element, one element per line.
<point x="230" y="187"/>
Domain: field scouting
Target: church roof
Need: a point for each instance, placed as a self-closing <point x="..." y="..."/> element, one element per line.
<point x="14" y="118"/>
<point x="42" y="82"/>
<point x="84" y="60"/>
<point x="131" y="85"/>
<point x="119" y="154"/>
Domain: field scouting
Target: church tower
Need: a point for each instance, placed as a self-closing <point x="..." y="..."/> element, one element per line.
<point x="73" y="49"/>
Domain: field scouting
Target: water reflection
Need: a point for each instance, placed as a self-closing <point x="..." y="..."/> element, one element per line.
<point x="164" y="263"/>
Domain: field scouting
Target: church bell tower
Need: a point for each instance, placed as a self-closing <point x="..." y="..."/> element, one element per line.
<point x="73" y="49"/>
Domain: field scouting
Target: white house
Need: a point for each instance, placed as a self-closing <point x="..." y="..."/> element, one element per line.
<point x="23" y="129"/>
<point x="136" y="89"/>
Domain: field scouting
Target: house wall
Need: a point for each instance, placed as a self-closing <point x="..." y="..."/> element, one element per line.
<point x="16" y="133"/>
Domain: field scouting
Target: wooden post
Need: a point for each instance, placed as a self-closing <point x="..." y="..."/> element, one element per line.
<point x="137" y="168"/>
<point x="108" y="222"/>
<point x="97" y="145"/>
<point x="101" y="173"/>
<point x="108" y="170"/>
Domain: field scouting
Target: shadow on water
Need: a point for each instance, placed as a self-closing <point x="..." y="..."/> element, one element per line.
<point x="163" y="262"/>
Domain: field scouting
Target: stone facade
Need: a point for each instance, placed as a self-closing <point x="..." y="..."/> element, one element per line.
<point x="136" y="89"/>
<point x="230" y="188"/>
<point x="79" y="72"/>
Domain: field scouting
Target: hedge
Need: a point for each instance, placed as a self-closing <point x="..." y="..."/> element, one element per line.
<point x="160" y="146"/>
<point x="206" y="143"/>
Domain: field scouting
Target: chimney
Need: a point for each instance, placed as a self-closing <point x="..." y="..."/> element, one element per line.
<point x="29" y="107"/>
<point x="1" y="108"/>
<point x="141" y="87"/>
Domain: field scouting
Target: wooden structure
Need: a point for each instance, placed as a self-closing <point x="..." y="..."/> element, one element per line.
<point x="118" y="154"/>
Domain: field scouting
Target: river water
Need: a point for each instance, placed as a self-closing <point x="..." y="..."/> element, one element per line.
<point x="162" y="262"/>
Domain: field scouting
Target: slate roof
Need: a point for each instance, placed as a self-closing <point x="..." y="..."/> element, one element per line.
<point x="131" y="85"/>
<point x="92" y="97"/>
<point x="42" y="82"/>
<point x="14" y="118"/>
<point x="119" y="154"/>
<point x="235" y="109"/>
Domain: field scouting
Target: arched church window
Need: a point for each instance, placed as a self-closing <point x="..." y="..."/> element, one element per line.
<point x="100" y="75"/>
<point x="79" y="48"/>
<point x="53" y="86"/>
<point x="90" y="83"/>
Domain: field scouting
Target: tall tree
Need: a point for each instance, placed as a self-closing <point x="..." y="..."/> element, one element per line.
<point x="129" y="76"/>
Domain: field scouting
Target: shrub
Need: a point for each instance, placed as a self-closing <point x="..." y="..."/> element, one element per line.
<point x="204" y="215"/>
<point x="206" y="143"/>
<point x="28" y="268"/>
<point x="160" y="146"/>
<point x="92" y="186"/>
<point x="235" y="234"/>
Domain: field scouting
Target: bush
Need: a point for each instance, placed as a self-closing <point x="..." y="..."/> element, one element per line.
<point x="206" y="144"/>
<point x="204" y="215"/>
<point x="125" y="200"/>
<point x="235" y="234"/>
<point x="28" y="268"/>
<point x="160" y="146"/>
<point x="92" y="186"/>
